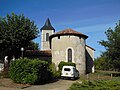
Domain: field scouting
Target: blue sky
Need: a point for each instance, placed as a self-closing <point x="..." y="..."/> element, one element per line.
<point x="91" y="17"/>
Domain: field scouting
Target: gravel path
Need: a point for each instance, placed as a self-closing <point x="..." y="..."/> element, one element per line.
<point x="58" y="85"/>
<point x="8" y="88"/>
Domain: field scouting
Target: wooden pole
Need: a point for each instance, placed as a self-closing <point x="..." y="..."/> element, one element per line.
<point x="111" y="75"/>
<point x="98" y="76"/>
<point x="87" y="76"/>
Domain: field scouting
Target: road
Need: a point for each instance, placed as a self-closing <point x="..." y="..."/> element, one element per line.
<point x="58" y="85"/>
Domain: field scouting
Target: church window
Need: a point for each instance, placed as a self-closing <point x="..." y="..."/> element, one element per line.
<point x="69" y="55"/>
<point x="47" y="36"/>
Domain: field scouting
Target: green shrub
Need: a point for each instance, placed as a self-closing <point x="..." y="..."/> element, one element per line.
<point x="29" y="71"/>
<point x="62" y="63"/>
<point x="55" y="73"/>
<point x="96" y="85"/>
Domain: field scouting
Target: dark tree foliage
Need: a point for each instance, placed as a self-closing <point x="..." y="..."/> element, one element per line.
<point x="112" y="46"/>
<point x="32" y="46"/>
<point x="62" y="63"/>
<point x="16" y="31"/>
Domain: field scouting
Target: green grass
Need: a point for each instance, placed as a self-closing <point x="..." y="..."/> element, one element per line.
<point x="100" y="75"/>
<point x="95" y="76"/>
<point x="106" y="72"/>
<point x="96" y="85"/>
<point x="101" y="80"/>
<point x="116" y="78"/>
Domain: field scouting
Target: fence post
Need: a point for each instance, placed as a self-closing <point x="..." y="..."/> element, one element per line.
<point x="98" y="76"/>
<point x="111" y="75"/>
<point x="87" y="76"/>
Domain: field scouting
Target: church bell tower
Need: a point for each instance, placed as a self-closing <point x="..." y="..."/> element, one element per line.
<point x="46" y="31"/>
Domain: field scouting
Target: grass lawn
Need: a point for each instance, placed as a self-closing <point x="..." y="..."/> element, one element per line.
<point x="101" y="80"/>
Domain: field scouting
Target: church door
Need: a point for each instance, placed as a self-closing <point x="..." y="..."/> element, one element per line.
<point x="69" y="55"/>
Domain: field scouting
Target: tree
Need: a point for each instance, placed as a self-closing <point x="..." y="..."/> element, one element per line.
<point x="33" y="46"/>
<point x="16" y="31"/>
<point x="112" y="46"/>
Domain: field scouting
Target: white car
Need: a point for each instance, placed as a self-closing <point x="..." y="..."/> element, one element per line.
<point x="69" y="72"/>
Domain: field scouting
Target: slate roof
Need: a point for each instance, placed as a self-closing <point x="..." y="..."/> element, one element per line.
<point x="47" y="26"/>
<point x="68" y="32"/>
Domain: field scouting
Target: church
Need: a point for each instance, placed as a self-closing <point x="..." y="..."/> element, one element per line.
<point x="69" y="46"/>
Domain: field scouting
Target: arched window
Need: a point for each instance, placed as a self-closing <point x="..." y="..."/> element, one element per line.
<point x="69" y="55"/>
<point x="47" y="36"/>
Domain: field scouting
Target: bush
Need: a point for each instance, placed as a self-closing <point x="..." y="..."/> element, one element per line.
<point x="96" y="85"/>
<point x="55" y="73"/>
<point x="62" y="63"/>
<point x="29" y="71"/>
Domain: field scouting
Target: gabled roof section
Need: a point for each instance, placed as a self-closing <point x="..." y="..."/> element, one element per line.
<point x="47" y="25"/>
<point x="90" y="47"/>
<point x="69" y="32"/>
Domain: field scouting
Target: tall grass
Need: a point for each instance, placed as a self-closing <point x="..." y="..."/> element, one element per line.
<point x="101" y="80"/>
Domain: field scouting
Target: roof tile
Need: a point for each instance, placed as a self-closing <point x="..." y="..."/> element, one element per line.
<point x="68" y="32"/>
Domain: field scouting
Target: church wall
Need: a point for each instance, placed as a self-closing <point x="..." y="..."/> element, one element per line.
<point x="90" y="59"/>
<point x="62" y="44"/>
<point x="45" y="44"/>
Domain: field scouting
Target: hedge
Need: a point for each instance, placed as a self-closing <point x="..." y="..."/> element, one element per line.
<point x="55" y="73"/>
<point x="27" y="71"/>
<point x="62" y="63"/>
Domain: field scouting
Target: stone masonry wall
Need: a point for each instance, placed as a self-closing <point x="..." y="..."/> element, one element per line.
<point x="45" y="44"/>
<point x="60" y="48"/>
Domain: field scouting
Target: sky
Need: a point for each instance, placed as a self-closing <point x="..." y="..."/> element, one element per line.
<point x="90" y="17"/>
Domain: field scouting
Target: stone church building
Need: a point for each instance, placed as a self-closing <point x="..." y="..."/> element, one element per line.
<point x="67" y="45"/>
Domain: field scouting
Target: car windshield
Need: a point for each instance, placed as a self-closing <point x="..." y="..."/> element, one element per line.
<point x="66" y="69"/>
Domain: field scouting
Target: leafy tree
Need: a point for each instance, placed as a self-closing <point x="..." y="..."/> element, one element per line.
<point x="112" y="46"/>
<point x="33" y="46"/>
<point x="101" y="63"/>
<point x="16" y="31"/>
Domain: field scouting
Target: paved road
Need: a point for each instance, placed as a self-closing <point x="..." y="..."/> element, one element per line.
<point x="58" y="85"/>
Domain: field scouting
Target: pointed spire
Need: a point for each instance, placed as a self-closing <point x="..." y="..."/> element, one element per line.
<point x="47" y="25"/>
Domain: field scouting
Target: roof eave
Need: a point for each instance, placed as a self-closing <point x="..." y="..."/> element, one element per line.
<point x="90" y="47"/>
<point x="55" y="35"/>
